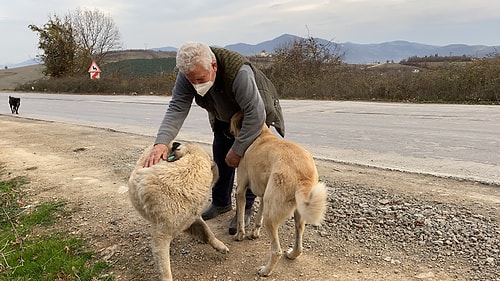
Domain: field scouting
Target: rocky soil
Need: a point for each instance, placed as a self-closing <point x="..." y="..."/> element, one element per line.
<point x="380" y="224"/>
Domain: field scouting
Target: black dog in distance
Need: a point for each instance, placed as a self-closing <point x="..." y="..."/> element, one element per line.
<point x="14" y="104"/>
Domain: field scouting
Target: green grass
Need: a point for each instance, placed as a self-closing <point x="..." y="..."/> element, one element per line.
<point x="140" y="67"/>
<point x="25" y="255"/>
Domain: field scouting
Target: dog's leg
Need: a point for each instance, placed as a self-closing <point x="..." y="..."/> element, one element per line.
<point x="258" y="221"/>
<point x="276" y="252"/>
<point x="161" y="253"/>
<point x="240" y="212"/>
<point x="200" y="230"/>
<point x="297" y="249"/>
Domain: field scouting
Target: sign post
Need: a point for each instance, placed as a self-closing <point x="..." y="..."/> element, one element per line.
<point x="94" y="71"/>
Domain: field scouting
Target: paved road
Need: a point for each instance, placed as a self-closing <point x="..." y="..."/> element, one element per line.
<point x="447" y="140"/>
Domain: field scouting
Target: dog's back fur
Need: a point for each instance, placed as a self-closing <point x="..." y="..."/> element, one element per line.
<point x="284" y="176"/>
<point x="14" y="104"/>
<point x="166" y="191"/>
<point x="171" y="195"/>
<point x="290" y="170"/>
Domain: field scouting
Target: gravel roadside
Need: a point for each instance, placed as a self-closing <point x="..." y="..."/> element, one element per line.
<point x="380" y="224"/>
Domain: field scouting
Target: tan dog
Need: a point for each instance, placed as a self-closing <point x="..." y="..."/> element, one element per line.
<point x="284" y="177"/>
<point x="171" y="195"/>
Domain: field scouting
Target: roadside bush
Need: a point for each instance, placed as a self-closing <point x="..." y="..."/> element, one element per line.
<point x="312" y="77"/>
<point x="115" y="84"/>
<point x="474" y="82"/>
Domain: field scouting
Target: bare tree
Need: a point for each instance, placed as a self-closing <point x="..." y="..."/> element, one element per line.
<point x="95" y="33"/>
<point x="307" y="56"/>
<point x="303" y="62"/>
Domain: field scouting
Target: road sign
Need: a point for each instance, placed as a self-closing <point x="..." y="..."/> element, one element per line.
<point x="94" y="71"/>
<point x="94" y="67"/>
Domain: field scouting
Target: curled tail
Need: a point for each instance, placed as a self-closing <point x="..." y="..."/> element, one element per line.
<point x="312" y="206"/>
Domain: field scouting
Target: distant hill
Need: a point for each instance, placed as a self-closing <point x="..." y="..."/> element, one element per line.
<point x="367" y="53"/>
<point x="12" y="77"/>
<point x="140" y="66"/>
<point x="399" y="50"/>
<point x="115" y="56"/>
<point x="370" y="53"/>
<point x="165" y="49"/>
<point x="355" y="53"/>
<point x="268" y="46"/>
<point x="24" y="63"/>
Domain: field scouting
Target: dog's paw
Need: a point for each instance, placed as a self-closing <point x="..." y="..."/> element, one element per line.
<point x="256" y="232"/>
<point x="253" y="235"/>
<point x="264" y="271"/>
<point x="223" y="249"/>
<point x="292" y="254"/>
<point x="220" y="247"/>
<point x="239" y="236"/>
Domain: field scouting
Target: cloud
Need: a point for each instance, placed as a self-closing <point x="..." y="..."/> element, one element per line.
<point x="158" y="23"/>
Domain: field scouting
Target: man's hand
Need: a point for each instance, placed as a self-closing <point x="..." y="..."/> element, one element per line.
<point x="160" y="151"/>
<point x="232" y="159"/>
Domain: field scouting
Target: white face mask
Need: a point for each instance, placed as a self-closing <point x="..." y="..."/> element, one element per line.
<point x="203" y="88"/>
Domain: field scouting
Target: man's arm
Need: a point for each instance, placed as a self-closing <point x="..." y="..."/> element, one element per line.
<point x="177" y="111"/>
<point x="248" y="98"/>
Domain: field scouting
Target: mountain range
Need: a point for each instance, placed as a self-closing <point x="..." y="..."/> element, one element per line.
<point x="368" y="53"/>
<point x="393" y="51"/>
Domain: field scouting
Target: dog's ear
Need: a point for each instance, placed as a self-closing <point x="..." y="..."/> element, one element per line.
<point x="236" y="123"/>
<point x="173" y="152"/>
<point x="175" y="145"/>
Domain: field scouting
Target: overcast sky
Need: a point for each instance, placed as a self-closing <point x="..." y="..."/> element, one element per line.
<point x="159" y="23"/>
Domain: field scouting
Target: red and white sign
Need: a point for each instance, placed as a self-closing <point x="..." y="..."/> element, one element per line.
<point x="94" y="71"/>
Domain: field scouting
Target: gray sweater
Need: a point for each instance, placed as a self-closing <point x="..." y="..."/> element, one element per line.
<point x="247" y="97"/>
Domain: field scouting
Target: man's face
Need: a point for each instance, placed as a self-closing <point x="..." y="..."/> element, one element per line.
<point x="200" y="75"/>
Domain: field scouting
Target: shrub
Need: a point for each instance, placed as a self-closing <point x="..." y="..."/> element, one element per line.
<point x="310" y="77"/>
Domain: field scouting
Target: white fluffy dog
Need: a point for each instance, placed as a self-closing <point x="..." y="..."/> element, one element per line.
<point x="171" y="195"/>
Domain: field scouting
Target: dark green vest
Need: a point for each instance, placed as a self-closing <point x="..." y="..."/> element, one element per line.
<point x="228" y="65"/>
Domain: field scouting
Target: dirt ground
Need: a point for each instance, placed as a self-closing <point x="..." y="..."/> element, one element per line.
<point x="89" y="167"/>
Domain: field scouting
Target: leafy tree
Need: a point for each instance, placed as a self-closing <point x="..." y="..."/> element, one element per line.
<point x="57" y="42"/>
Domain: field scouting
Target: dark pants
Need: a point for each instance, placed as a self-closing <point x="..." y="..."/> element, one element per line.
<point x="221" y="192"/>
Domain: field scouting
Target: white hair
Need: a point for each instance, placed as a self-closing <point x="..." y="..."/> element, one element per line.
<point x="192" y="54"/>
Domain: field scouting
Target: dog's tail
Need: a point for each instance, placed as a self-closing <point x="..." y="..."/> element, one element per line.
<point x="312" y="206"/>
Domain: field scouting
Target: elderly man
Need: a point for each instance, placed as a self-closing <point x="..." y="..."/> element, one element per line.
<point x="223" y="82"/>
